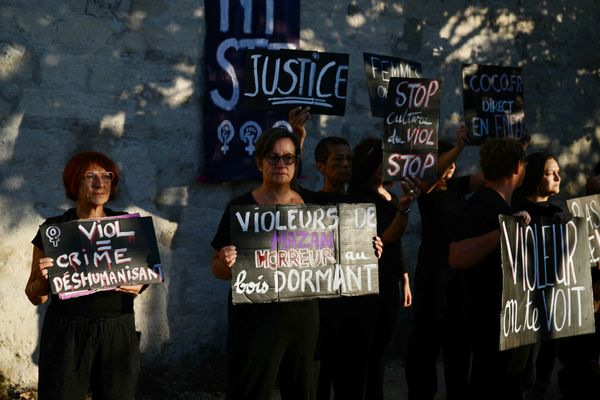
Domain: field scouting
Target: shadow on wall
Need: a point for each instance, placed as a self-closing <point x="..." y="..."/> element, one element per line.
<point x="124" y="78"/>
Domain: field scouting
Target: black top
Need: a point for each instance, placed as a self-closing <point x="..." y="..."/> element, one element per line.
<point x="243" y="315"/>
<point x="391" y="263"/>
<point x="440" y="214"/>
<point x="541" y="209"/>
<point x="440" y="211"/>
<point x="484" y="279"/>
<point x="102" y="304"/>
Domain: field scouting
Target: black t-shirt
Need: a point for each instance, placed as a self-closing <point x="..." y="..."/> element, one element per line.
<point x="440" y="211"/>
<point x="103" y="304"/>
<point x="440" y="214"/>
<point x="484" y="279"/>
<point x="541" y="209"/>
<point x="391" y="263"/>
<point x="245" y="315"/>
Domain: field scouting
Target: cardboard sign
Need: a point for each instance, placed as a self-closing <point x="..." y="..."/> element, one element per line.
<point x="233" y="27"/>
<point x="411" y="129"/>
<point x="493" y="102"/>
<point x="547" y="284"/>
<point x="101" y="254"/>
<point x="588" y="208"/>
<point x="303" y="252"/>
<point x="283" y="79"/>
<point x="378" y="70"/>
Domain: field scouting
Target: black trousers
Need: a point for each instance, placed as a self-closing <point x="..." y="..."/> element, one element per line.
<point x="78" y="355"/>
<point x="346" y="335"/>
<point x="384" y="330"/>
<point x="426" y="340"/>
<point x="273" y="344"/>
<point x="438" y="325"/>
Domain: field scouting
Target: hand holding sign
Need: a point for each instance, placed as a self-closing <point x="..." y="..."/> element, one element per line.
<point x="298" y="117"/>
<point x="38" y="285"/>
<point x="228" y="255"/>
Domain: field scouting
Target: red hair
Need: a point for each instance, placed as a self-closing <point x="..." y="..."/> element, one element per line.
<point x="77" y="166"/>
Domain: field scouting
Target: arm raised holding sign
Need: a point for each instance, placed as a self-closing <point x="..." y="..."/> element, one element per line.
<point x="298" y="117"/>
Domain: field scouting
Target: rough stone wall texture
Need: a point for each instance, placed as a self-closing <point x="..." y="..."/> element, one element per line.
<point x="125" y="77"/>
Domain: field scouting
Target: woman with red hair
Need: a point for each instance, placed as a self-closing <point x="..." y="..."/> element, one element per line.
<point x="88" y="343"/>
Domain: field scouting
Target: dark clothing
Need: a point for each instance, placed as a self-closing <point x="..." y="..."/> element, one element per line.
<point x="495" y="374"/>
<point x="346" y="333"/>
<point x="78" y="354"/>
<point x="103" y="304"/>
<point x="88" y="343"/>
<point x="391" y="269"/>
<point x="541" y="209"/>
<point x="269" y="342"/>
<point x="438" y="307"/>
<point x="548" y="349"/>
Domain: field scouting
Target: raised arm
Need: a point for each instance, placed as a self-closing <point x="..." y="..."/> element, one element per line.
<point x="446" y="159"/>
<point x="410" y="191"/>
<point x="297" y="117"/>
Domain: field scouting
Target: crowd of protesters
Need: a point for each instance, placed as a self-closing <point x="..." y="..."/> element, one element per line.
<point x="89" y="343"/>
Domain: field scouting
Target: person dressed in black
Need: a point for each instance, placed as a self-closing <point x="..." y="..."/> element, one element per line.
<point x="346" y="322"/>
<point x="438" y="313"/>
<point x="268" y="343"/>
<point x="541" y="181"/>
<point x="87" y="343"/>
<point x="392" y="218"/>
<point x="495" y="374"/>
<point x="579" y="375"/>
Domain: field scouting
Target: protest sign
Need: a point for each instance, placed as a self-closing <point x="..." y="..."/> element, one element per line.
<point x="303" y="251"/>
<point x="588" y="208"/>
<point x="411" y="129"/>
<point x="283" y="79"/>
<point x="379" y="69"/>
<point x="100" y="254"/>
<point x="547" y="288"/>
<point x="232" y="27"/>
<point x="493" y="102"/>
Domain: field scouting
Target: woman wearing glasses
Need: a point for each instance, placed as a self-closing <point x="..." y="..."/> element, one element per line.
<point x="269" y="343"/>
<point x="88" y="343"/>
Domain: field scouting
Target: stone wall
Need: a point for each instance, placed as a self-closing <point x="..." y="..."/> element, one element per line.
<point x="125" y="77"/>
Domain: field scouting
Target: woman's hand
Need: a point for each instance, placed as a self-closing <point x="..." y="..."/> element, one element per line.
<point x="407" y="301"/>
<point x="132" y="290"/>
<point x="378" y="246"/>
<point x="411" y="188"/>
<point x="38" y="286"/>
<point x="524" y="215"/>
<point x="462" y="137"/>
<point x="222" y="261"/>
<point x="298" y="117"/>
<point x="228" y="255"/>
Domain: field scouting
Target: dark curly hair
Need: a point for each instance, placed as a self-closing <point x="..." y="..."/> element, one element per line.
<point x="367" y="157"/>
<point x="499" y="157"/>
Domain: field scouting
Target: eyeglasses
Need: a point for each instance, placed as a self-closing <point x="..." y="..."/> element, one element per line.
<point x="273" y="159"/>
<point x="105" y="177"/>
